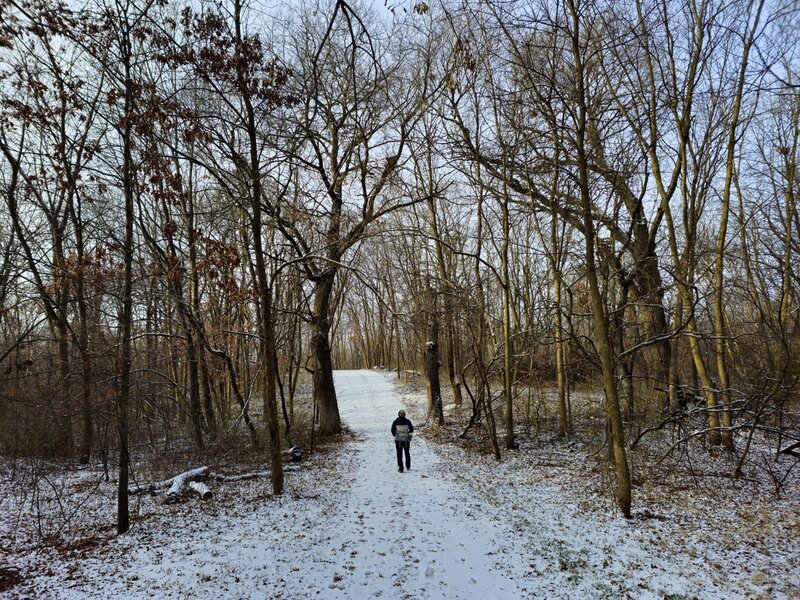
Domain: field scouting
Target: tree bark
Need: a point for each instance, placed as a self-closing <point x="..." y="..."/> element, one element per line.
<point x="264" y="289"/>
<point x="432" y="362"/>
<point x="720" y="333"/>
<point x="599" y="316"/>
<point x="128" y="186"/>
<point x="324" y="391"/>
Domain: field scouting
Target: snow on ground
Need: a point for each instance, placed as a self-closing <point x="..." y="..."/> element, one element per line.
<point x="456" y="526"/>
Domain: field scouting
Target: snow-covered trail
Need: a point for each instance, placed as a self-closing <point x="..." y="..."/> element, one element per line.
<point x="407" y="534"/>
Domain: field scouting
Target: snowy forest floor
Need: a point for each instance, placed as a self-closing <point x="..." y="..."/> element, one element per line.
<point x="541" y="524"/>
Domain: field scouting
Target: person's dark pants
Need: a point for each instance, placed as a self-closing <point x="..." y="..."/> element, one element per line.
<point x="403" y="448"/>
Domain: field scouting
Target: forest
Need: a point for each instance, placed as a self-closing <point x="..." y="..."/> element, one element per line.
<point x="566" y="218"/>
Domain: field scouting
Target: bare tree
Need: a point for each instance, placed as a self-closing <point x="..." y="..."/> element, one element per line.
<point x="360" y="103"/>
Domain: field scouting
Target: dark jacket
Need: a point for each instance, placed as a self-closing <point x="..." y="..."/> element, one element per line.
<point x="401" y="421"/>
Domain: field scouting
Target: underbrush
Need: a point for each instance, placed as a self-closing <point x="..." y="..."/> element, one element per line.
<point x="669" y="464"/>
<point x="71" y="508"/>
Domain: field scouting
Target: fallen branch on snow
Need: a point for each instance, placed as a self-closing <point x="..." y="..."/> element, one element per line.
<point x="177" y="485"/>
<point x="791" y="450"/>
<point x="242" y="477"/>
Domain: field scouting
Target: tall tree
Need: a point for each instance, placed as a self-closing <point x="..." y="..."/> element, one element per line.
<point x="360" y="102"/>
<point x="247" y="87"/>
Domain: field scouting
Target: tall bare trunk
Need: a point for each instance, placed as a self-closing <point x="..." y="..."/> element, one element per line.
<point x="450" y="349"/>
<point x="485" y="394"/>
<point x="123" y="398"/>
<point x="432" y="362"/>
<point x="323" y="387"/>
<point x="599" y="317"/>
<point x="508" y="350"/>
<point x="264" y="288"/>
<point x="720" y="334"/>
<point x="195" y="411"/>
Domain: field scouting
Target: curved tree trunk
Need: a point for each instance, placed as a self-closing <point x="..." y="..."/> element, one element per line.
<point x="720" y="333"/>
<point x="600" y="314"/>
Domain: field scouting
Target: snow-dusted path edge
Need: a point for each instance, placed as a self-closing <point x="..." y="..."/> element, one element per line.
<point x="455" y="526"/>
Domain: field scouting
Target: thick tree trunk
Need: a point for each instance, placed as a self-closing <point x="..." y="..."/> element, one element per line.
<point x="434" y="386"/>
<point x="648" y="282"/>
<point x="323" y="387"/>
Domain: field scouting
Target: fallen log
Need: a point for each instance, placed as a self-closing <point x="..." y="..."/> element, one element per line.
<point x="179" y="482"/>
<point x="201" y="489"/>
<point x="243" y="477"/>
<point x="152" y="488"/>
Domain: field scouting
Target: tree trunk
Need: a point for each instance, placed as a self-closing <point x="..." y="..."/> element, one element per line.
<point x="720" y="333"/>
<point x="450" y="351"/>
<point x="564" y="425"/>
<point x="674" y="363"/>
<point x="206" y="391"/>
<point x="263" y="283"/>
<point x="123" y="398"/>
<point x="323" y="388"/>
<point x="195" y="411"/>
<point x="432" y="362"/>
<point x="450" y="360"/>
<point x="87" y="438"/>
<point x="65" y="433"/>
<point x="479" y="343"/>
<point x="508" y="350"/>
<point x="599" y="317"/>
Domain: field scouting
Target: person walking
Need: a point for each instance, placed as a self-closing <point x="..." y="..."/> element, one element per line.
<point x="402" y="430"/>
